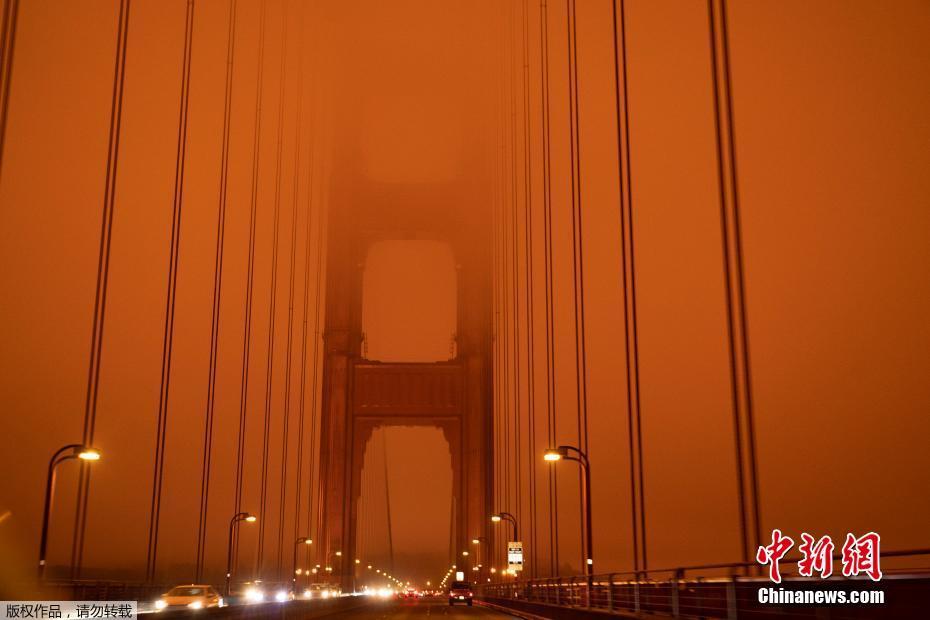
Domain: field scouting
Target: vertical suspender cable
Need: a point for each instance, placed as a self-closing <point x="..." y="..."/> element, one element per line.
<point x="550" y="301"/>
<point x="269" y="371"/>
<point x="217" y="295"/>
<point x="504" y="297"/>
<point x="497" y="328"/>
<point x="630" y="330"/>
<point x="7" y="47"/>
<point x="515" y="269"/>
<point x="103" y="271"/>
<point x="314" y="393"/>
<point x="290" y="312"/>
<point x="170" y="298"/>
<point x="734" y="280"/>
<point x="581" y="373"/>
<point x="387" y="502"/>
<point x="250" y="281"/>
<point x="530" y="316"/>
<point x="308" y="246"/>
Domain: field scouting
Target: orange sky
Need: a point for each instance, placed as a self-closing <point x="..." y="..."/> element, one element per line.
<point x="832" y="129"/>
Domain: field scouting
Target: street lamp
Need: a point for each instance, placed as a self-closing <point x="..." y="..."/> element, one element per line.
<point x="570" y="453"/>
<point x="506" y="516"/>
<point x="477" y="542"/>
<point x="239" y="516"/>
<point x="71" y="451"/>
<point x="303" y="540"/>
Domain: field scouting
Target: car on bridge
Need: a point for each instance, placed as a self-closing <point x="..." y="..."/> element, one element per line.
<point x="192" y="596"/>
<point x="321" y="590"/>
<point x="460" y="592"/>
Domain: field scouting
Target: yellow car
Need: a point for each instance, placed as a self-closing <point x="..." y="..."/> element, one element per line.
<point x="190" y="596"/>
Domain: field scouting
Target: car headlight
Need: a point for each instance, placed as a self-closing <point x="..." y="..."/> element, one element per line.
<point x="254" y="595"/>
<point x="280" y="596"/>
<point x="160" y="604"/>
<point x="195" y="605"/>
<point x="308" y="594"/>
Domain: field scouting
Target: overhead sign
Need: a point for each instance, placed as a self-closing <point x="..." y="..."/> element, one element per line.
<point x="515" y="555"/>
<point x="459" y="575"/>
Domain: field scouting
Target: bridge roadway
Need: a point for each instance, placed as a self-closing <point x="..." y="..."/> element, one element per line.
<point x="351" y="607"/>
<point x="424" y="608"/>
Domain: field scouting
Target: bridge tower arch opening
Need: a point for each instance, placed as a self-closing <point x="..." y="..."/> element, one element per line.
<point x="405" y="503"/>
<point x="409" y="301"/>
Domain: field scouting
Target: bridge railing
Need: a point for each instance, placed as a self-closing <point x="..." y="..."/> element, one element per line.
<point x="707" y="591"/>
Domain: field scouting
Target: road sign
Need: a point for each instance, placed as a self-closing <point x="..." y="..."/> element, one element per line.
<point x="515" y="555"/>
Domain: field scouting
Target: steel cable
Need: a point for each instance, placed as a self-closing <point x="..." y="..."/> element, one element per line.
<point x="7" y="49"/>
<point x="102" y="282"/>
<point x="269" y="371"/>
<point x="217" y="295"/>
<point x="250" y="281"/>
<point x="549" y="291"/>
<point x="170" y="299"/>
<point x="630" y="328"/>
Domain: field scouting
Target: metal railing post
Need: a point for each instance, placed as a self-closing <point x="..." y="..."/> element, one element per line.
<point x="610" y="592"/>
<point x="636" y="596"/>
<point x="731" y="599"/>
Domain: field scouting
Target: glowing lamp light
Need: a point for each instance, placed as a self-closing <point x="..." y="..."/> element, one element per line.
<point x="89" y="454"/>
<point x="251" y="518"/>
<point x="552" y="455"/>
<point x="495" y="518"/>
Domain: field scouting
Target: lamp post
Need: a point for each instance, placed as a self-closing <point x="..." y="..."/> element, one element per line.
<point x="506" y="516"/>
<point x="239" y="516"/>
<point x="303" y="540"/>
<point x="333" y="567"/>
<point x="477" y="542"/>
<point x="71" y="451"/>
<point x="570" y="453"/>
